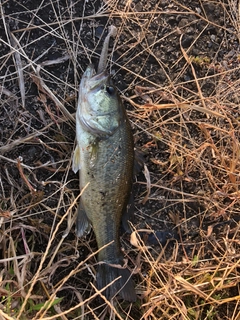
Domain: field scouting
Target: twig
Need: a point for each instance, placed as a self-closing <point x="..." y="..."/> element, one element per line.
<point x="18" y="64"/>
<point x="44" y="88"/>
<point x="31" y="189"/>
<point x="19" y="141"/>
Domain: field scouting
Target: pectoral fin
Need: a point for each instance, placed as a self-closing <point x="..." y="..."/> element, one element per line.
<point x="76" y="163"/>
<point x="83" y="225"/>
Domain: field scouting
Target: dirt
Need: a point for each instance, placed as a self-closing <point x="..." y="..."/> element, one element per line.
<point x="168" y="57"/>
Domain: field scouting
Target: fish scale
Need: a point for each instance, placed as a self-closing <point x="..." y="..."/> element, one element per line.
<point x="110" y="184"/>
<point x="104" y="155"/>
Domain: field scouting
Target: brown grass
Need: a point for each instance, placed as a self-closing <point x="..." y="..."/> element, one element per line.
<point x="189" y="132"/>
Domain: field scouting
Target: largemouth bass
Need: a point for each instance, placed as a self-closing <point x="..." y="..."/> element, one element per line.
<point x="104" y="155"/>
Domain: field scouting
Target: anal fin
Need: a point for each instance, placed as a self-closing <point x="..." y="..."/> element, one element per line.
<point x="83" y="225"/>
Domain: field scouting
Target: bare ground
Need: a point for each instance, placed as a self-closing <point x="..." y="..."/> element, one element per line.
<point x="176" y="65"/>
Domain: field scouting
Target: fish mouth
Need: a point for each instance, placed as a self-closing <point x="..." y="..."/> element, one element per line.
<point x="92" y="80"/>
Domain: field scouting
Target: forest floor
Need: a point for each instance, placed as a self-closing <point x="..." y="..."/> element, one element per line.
<point x="176" y="65"/>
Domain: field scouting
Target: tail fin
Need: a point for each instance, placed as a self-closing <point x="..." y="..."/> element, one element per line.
<point x="124" y="286"/>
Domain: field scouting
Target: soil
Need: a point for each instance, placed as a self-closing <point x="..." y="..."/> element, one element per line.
<point x="169" y="59"/>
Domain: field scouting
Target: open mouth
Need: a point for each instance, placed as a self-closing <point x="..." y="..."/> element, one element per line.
<point x="98" y="80"/>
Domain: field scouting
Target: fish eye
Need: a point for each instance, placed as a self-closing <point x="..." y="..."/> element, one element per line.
<point x="110" y="90"/>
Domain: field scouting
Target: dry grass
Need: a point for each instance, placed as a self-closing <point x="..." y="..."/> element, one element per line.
<point x="184" y="109"/>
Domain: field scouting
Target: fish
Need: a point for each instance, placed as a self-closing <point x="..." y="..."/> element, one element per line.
<point x="104" y="157"/>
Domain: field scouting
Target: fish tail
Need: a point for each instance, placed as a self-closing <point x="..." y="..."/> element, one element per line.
<point x="124" y="286"/>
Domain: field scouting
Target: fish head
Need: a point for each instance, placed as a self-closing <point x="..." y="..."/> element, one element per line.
<point x="99" y="105"/>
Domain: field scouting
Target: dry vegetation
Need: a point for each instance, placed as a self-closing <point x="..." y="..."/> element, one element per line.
<point x="177" y="67"/>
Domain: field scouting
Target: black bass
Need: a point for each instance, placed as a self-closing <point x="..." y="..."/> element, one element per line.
<point x="104" y="155"/>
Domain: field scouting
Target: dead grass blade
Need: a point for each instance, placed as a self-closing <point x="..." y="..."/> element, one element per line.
<point x="18" y="62"/>
<point x="8" y="147"/>
<point x="183" y="105"/>
<point x="42" y="87"/>
<point x="148" y="179"/>
<point x="36" y="276"/>
<point x="4" y="316"/>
